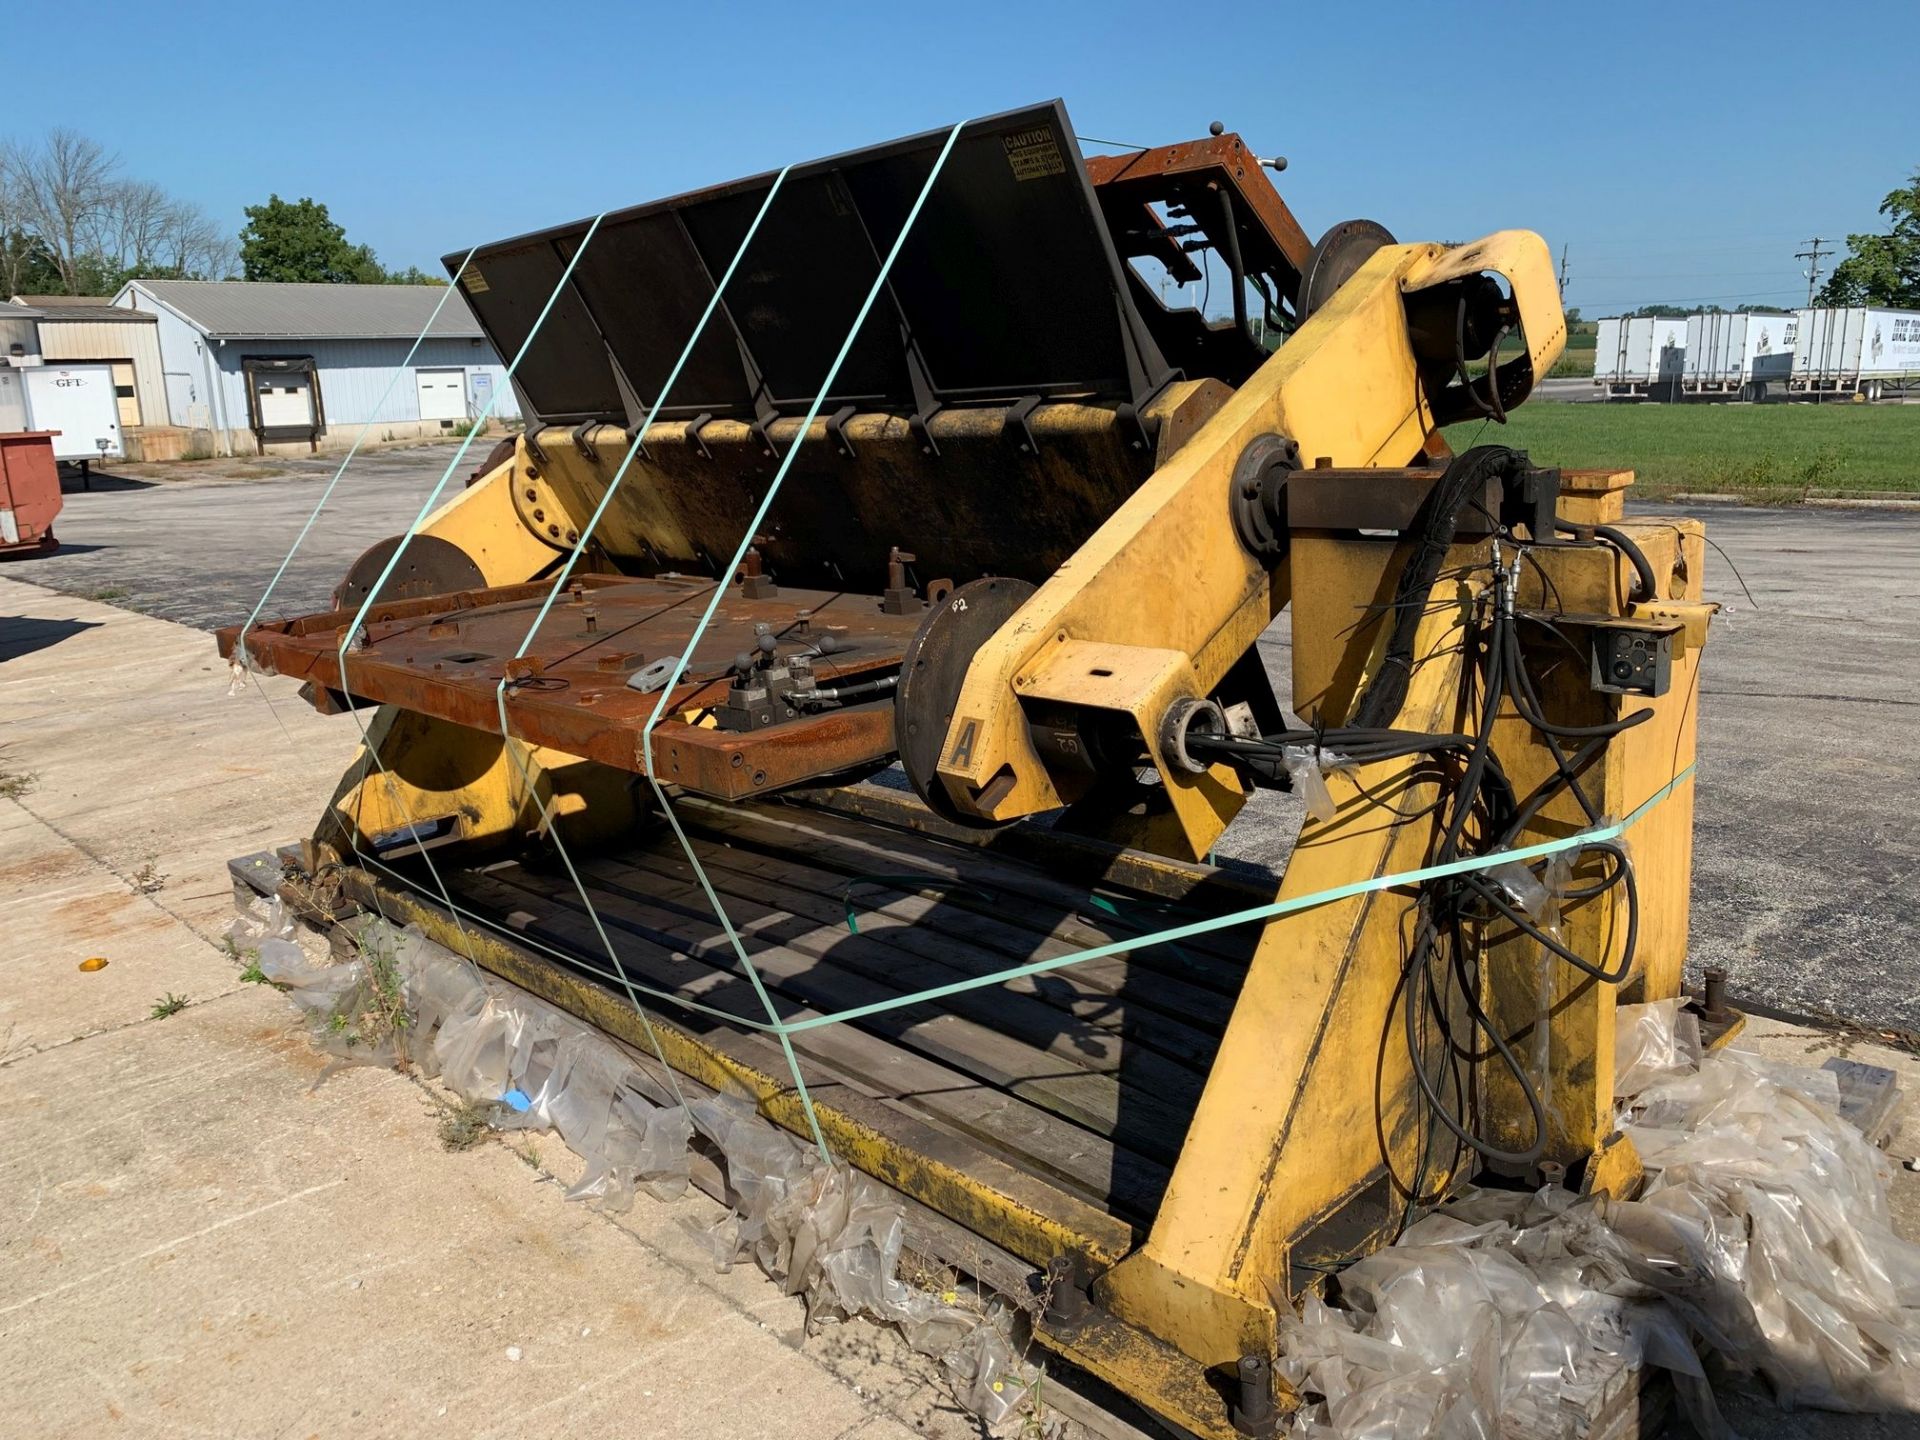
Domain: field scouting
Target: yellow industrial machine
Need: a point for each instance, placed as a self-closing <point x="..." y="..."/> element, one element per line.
<point x="1028" y="547"/>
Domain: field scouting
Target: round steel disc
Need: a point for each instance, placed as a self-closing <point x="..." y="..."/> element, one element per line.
<point x="431" y="566"/>
<point x="1341" y="252"/>
<point x="931" y="674"/>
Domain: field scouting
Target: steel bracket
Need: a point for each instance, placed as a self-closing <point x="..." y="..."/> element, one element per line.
<point x="1018" y="416"/>
<point x="837" y="431"/>
<point x="694" y="427"/>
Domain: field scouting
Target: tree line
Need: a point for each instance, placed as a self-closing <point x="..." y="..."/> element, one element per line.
<point x="74" y="222"/>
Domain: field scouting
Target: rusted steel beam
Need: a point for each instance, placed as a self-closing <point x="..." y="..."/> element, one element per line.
<point x="446" y="655"/>
<point x="1163" y="172"/>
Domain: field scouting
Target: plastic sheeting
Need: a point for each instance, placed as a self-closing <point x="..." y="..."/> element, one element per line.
<point x="1762" y="1233"/>
<point x="825" y="1232"/>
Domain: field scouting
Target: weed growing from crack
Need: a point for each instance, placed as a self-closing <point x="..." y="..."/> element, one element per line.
<point x="466" y="1124"/>
<point x="168" y="1004"/>
<point x="374" y="1012"/>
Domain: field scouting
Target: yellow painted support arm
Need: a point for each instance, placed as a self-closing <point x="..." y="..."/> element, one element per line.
<point x="493" y="521"/>
<point x="1168" y="573"/>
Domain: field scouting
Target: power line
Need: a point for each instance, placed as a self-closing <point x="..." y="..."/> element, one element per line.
<point x="1812" y="254"/>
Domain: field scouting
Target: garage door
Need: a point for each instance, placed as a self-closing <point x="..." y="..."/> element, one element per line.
<point x="286" y="400"/>
<point x="443" y="394"/>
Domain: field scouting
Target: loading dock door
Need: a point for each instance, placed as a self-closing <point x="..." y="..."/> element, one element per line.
<point x="443" y="394"/>
<point x="286" y="400"/>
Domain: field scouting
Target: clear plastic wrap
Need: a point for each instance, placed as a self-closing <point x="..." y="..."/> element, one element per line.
<point x="1651" y="1041"/>
<point x="822" y="1231"/>
<point x="1306" y="769"/>
<point x="1763" y="1232"/>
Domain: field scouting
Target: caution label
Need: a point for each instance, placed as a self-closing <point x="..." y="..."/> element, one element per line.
<point x="475" y="282"/>
<point x="1034" y="154"/>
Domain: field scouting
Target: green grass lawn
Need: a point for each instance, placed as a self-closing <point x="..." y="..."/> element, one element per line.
<point x="1772" y="453"/>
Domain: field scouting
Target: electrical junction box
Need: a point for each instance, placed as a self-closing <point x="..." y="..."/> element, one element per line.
<point x="1633" y="658"/>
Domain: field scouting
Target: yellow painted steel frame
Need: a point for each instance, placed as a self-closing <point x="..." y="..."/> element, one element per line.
<point x="418" y="773"/>
<point x="1346" y="389"/>
<point x="510" y="523"/>
<point x="1307" y="1138"/>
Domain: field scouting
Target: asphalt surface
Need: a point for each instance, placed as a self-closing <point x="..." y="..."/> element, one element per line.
<point x="1807" y="865"/>
<point x="1576" y="390"/>
<point x="204" y="551"/>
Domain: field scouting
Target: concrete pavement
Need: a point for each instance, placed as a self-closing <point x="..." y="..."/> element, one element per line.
<point x="201" y="1235"/>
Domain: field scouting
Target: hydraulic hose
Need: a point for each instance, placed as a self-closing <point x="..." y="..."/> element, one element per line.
<point x="1625" y="544"/>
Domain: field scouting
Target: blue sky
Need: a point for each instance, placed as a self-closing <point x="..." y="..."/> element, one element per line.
<point x="1680" y="151"/>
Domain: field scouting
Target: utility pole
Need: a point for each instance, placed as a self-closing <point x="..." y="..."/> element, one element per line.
<point x="1813" y="255"/>
<point x="1563" y="274"/>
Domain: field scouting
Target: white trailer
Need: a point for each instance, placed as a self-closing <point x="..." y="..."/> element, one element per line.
<point x="1742" y="356"/>
<point x="78" y="401"/>
<point x="1856" y="350"/>
<point x="1639" y="357"/>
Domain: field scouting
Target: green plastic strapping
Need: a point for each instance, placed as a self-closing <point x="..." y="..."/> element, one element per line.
<point x="904" y="882"/>
<point x="553" y="592"/>
<point x="1256" y="913"/>
<point x="780" y="1029"/>
<point x="1166" y="936"/>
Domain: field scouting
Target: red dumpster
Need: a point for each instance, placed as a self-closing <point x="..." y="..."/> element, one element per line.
<point x="29" y="493"/>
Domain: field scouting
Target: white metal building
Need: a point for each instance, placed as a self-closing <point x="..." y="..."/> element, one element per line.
<point x="81" y="327"/>
<point x="259" y="365"/>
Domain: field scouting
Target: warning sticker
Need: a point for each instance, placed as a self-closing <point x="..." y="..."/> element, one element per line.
<point x="475" y="282"/>
<point x="1034" y="154"/>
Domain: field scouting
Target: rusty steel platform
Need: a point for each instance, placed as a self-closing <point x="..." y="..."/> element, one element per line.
<point x="446" y="655"/>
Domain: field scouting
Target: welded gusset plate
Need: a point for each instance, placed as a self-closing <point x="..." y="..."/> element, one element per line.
<point x="446" y="655"/>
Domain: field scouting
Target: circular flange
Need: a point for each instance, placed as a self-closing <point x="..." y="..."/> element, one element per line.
<point x="1258" y="495"/>
<point x="931" y="674"/>
<point x="1340" y="253"/>
<point x="431" y="566"/>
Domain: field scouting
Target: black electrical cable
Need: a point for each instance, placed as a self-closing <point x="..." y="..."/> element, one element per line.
<point x="1452" y="912"/>
<point x="1624" y="543"/>
<point x="1435" y="525"/>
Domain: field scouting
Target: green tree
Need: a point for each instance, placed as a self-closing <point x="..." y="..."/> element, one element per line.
<point x="27" y="266"/>
<point x="1882" y="269"/>
<point x="298" y="240"/>
<point x="412" y="275"/>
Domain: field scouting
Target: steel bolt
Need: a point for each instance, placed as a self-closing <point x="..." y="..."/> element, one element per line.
<point x="1253" y="1405"/>
<point x="1713" y="995"/>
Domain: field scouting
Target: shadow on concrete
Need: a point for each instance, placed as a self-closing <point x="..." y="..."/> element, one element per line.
<point x="100" y="480"/>
<point x="23" y="635"/>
